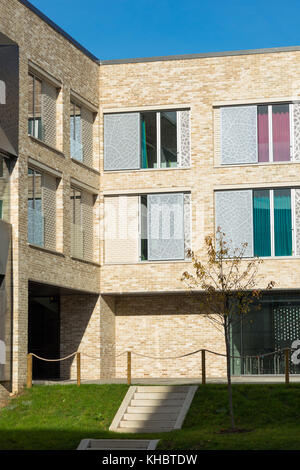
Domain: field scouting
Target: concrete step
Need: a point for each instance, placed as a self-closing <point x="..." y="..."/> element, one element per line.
<point x="159" y="396"/>
<point x="147" y="424"/>
<point x="157" y="403"/>
<point x="162" y="388"/>
<point x="150" y="416"/>
<point x="117" y="444"/>
<point x="154" y="409"/>
<point x="134" y="430"/>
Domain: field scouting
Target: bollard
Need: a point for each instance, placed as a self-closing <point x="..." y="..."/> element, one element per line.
<point x="203" y="366"/>
<point x="78" y="368"/>
<point x="29" y="370"/>
<point x="129" y="367"/>
<point x="287" y="366"/>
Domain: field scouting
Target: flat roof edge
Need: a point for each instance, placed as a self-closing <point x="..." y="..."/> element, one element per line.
<point x="59" y="30"/>
<point x="201" y="55"/>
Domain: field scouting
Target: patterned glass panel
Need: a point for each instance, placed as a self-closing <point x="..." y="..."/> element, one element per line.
<point x="121" y="141"/>
<point x="233" y="211"/>
<point x="187" y="224"/>
<point x="165" y="226"/>
<point x="238" y="135"/>
<point x="296" y="107"/>
<point x="185" y="144"/>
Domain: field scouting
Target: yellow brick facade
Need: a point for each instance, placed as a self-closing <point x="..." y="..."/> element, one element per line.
<point x="108" y="308"/>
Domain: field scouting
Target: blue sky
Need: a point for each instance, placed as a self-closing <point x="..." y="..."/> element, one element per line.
<point x="122" y="29"/>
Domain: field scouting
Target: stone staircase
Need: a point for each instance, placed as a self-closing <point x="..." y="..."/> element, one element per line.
<point x="153" y="409"/>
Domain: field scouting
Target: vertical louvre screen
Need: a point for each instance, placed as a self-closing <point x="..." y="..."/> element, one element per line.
<point x="87" y="136"/>
<point x="76" y="224"/>
<point x="75" y="132"/>
<point x="87" y="222"/>
<point x="35" y="222"/>
<point x="121" y="141"/>
<point x="233" y="211"/>
<point x="238" y="135"/>
<point x="261" y="222"/>
<point x="49" y="207"/>
<point x="165" y="226"/>
<point x="49" y="113"/>
<point x="282" y="222"/>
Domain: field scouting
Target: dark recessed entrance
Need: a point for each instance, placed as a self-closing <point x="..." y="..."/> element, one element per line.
<point x="44" y="335"/>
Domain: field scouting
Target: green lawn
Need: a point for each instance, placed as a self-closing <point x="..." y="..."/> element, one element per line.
<point x="58" y="417"/>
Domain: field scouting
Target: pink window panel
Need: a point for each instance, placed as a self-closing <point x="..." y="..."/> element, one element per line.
<point x="281" y="132"/>
<point x="263" y="133"/>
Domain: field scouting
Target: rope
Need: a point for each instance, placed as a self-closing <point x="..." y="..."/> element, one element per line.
<point x="54" y="360"/>
<point x="167" y="357"/>
<point x="172" y="357"/>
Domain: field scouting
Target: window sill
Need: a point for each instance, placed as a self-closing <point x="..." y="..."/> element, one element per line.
<point x="140" y="170"/>
<point x="235" y="165"/>
<point x="82" y="260"/>
<point x="44" y="144"/>
<point x="78" y="162"/>
<point x="147" y="263"/>
<point x="46" y="250"/>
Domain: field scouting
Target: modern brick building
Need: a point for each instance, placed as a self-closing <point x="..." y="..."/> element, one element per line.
<point x="110" y="171"/>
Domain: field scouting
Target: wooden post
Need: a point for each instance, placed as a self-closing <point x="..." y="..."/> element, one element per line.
<point x="203" y="366"/>
<point x="78" y="368"/>
<point x="129" y="367"/>
<point x="29" y="370"/>
<point x="287" y="366"/>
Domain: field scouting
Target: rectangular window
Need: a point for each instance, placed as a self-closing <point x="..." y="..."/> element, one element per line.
<point x="42" y="97"/>
<point x="159" y="139"/>
<point x="282" y="222"/>
<point x="81" y="133"/>
<point x="147" y="139"/>
<point x="272" y="222"/>
<point x="273" y="123"/>
<point x="41" y="209"/>
<point x="264" y="219"/>
<point x="261" y="222"/>
<point x="168" y="133"/>
<point x="35" y="107"/>
<point x="251" y="134"/>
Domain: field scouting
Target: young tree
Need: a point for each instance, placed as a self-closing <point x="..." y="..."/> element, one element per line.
<point x="228" y="283"/>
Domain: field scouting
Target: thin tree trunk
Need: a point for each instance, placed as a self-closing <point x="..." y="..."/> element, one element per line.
<point x="229" y="387"/>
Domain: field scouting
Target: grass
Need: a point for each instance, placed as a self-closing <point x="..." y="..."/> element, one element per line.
<point x="57" y="417"/>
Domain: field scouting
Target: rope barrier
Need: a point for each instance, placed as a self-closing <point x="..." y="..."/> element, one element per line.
<point x="129" y="354"/>
<point x="257" y="356"/>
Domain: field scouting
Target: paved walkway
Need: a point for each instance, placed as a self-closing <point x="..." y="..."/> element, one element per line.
<point x="244" y="379"/>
